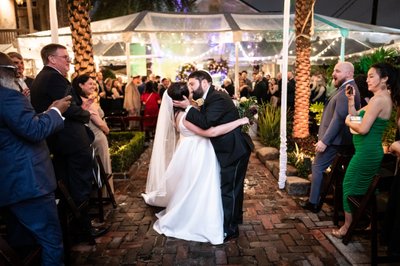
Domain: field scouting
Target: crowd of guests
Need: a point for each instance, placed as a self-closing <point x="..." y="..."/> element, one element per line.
<point x="52" y="116"/>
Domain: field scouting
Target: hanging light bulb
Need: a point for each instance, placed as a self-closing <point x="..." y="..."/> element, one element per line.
<point x="19" y="2"/>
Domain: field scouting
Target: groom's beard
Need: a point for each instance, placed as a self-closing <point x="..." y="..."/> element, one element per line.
<point x="198" y="93"/>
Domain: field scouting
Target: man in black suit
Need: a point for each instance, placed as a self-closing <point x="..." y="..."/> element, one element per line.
<point x="232" y="149"/>
<point x="71" y="147"/>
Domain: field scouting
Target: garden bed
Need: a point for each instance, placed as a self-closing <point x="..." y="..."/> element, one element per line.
<point x="125" y="148"/>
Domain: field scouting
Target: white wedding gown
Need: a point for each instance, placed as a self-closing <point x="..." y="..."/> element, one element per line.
<point x="193" y="195"/>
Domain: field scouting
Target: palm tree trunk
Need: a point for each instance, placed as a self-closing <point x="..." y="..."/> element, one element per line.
<point x="78" y="12"/>
<point x="303" y="18"/>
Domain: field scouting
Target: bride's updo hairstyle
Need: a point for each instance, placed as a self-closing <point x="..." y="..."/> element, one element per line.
<point x="177" y="90"/>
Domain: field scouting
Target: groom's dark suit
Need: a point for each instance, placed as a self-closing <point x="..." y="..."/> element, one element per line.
<point x="232" y="149"/>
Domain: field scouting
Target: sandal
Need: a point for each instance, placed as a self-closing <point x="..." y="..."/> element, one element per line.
<point x="338" y="233"/>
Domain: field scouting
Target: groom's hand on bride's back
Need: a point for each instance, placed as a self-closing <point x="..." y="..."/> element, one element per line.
<point x="182" y="104"/>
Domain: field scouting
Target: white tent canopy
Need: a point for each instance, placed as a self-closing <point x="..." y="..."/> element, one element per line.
<point x="189" y="37"/>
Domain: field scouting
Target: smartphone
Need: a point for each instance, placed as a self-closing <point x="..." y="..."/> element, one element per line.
<point x="350" y="89"/>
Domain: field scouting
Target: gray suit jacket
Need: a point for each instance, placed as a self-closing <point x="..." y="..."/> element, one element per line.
<point x="333" y="130"/>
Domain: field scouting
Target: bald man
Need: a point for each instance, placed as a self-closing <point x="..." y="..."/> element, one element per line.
<point x="333" y="135"/>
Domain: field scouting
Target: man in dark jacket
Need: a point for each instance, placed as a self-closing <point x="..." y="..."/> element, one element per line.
<point x="27" y="180"/>
<point x="71" y="147"/>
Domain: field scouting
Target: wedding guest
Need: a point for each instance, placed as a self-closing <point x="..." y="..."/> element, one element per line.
<point x="26" y="174"/>
<point x="333" y="135"/>
<point x="150" y="99"/>
<point x="24" y="82"/>
<point x="85" y="87"/>
<point x="274" y="91"/>
<point x="71" y="146"/>
<point x="189" y="187"/>
<point x="132" y="102"/>
<point x="318" y="89"/>
<point x="244" y="89"/>
<point x="367" y="138"/>
<point x="228" y="86"/>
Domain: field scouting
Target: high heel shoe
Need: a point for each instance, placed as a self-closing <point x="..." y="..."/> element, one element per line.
<point x="338" y="233"/>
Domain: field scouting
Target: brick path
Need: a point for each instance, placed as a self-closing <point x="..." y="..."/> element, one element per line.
<point x="276" y="231"/>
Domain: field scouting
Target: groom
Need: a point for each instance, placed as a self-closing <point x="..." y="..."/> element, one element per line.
<point x="232" y="149"/>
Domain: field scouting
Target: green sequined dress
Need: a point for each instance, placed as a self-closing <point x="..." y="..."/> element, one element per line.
<point x="366" y="161"/>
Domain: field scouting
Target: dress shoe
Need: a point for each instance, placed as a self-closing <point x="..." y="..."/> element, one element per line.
<point x="315" y="208"/>
<point x="98" y="231"/>
<point x="229" y="237"/>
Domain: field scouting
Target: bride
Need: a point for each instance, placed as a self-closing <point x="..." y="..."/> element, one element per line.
<point x="187" y="180"/>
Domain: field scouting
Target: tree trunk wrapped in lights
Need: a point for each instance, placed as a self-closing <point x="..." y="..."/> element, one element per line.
<point x="79" y="20"/>
<point x="303" y="24"/>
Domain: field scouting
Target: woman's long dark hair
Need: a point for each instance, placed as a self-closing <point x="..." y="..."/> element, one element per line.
<point x="81" y="79"/>
<point x="393" y="81"/>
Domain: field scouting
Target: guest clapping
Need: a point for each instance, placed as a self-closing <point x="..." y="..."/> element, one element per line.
<point x="26" y="174"/>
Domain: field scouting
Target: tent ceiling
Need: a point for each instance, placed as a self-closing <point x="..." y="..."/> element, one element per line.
<point x="260" y="35"/>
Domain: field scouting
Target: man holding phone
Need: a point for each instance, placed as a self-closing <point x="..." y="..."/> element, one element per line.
<point x="333" y="135"/>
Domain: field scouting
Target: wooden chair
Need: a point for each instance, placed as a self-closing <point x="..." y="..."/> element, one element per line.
<point x="24" y="256"/>
<point x="333" y="181"/>
<point x="116" y="121"/>
<point x="367" y="204"/>
<point x="9" y="256"/>
<point x="129" y="118"/>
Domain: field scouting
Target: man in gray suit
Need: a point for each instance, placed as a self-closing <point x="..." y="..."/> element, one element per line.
<point x="333" y="135"/>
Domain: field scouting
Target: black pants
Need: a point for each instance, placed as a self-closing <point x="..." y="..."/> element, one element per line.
<point x="232" y="184"/>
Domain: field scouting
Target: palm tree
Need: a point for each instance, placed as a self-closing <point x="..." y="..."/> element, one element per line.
<point x="79" y="20"/>
<point x="303" y="18"/>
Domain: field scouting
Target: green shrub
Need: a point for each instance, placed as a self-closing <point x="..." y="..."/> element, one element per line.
<point x="389" y="134"/>
<point x="125" y="149"/>
<point x="300" y="160"/>
<point x="269" y="118"/>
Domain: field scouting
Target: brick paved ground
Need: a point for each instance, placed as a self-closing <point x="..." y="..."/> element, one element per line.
<point x="276" y="231"/>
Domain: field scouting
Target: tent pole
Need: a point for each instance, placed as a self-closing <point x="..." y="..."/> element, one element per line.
<point x="342" y="42"/>
<point x="285" y="55"/>
<point x="53" y="21"/>
<point x="128" y="60"/>
<point x="237" y="69"/>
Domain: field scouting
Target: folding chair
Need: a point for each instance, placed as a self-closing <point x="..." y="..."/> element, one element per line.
<point x="333" y="180"/>
<point x="100" y="200"/>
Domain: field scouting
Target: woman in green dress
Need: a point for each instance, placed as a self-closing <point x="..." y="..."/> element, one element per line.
<point x="367" y="138"/>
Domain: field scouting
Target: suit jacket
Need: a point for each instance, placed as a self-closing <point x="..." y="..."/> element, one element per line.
<point x="50" y="85"/>
<point x="29" y="82"/>
<point x="219" y="109"/>
<point x="26" y="170"/>
<point x="333" y="130"/>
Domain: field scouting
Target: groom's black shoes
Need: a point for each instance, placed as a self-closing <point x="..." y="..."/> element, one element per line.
<point x="229" y="237"/>
<point x="305" y="204"/>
